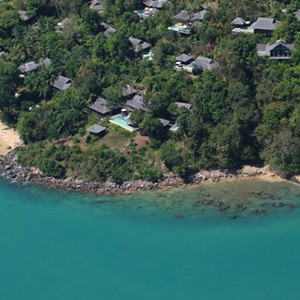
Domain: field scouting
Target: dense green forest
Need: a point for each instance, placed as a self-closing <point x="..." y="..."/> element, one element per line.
<point x="246" y="111"/>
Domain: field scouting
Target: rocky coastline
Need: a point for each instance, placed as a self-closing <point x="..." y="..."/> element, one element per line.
<point x="14" y="173"/>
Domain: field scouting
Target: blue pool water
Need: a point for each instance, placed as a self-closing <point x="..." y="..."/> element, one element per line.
<point x="120" y="121"/>
<point x="58" y="245"/>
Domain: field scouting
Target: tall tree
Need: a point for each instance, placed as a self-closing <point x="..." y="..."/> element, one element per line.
<point x="8" y="85"/>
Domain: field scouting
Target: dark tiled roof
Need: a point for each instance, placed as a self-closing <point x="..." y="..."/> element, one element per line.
<point x="183" y="16"/>
<point x="101" y="106"/>
<point x="108" y="30"/>
<point x="96" y="129"/>
<point x="128" y="90"/>
<point x="280" y="42"/>
<point x="265" y="24"/>
<point x="137" y="102"/>
<point x="188" y="106"/>
<point x="23" y="15"/>
<point x="164" y="122"/>
<point x="199" y="16"/>
<point x="261" y="47"/>
<point x="62" y="83"/>
<point x="46" y="62"/>
<point x="30" y="66"/>
<point x="205" y="63"/>
<point x="139" y="45"/>
<point x="184" y="58"/>
<point x="265" y="49"/>
<point x="238" y="21"/>
<point x="97" y="5"/>
<point x="154" y="3"/>
<point x="297" y="14"/>
<point x="27" y="67"/>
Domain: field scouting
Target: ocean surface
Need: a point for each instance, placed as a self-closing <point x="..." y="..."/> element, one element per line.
<point x="221" y="241"/>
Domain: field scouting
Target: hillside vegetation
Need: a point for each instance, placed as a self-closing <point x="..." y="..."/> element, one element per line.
<point x="245" y="111"/>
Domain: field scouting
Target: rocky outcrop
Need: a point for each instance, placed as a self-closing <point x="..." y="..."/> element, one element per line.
<point x="15" y="173"/>
<point x="250" y="171"/>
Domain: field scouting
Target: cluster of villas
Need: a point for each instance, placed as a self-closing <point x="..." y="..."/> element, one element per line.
<point x="185" y="19"/>
<point x="139" y="47"/>
<point x="120" y="116"/>
<point x="96" y="5"/>
<point x="61" y="82"/>
<point x="280" y="50"/>
<point x="261" y="25"/>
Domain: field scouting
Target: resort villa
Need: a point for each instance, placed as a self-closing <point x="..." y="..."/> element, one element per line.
<point x="185" y="105"/>
<point x="97" y="130"/>
<point x="107" y="30"/>
<point x="185" y="19"/>
<point x="261" y="25"/>
<point x="297" y="14"/>
<point x="136" y="103"/>
<point x="154" y="3"/>
<point x="23" y="14"/>
<point x="191" y="65"/>
<point x="141" y="48"/>
<point x="151" y="7"/>
<point x="97" y="5"/>
<point x="184" y="62"/>
<point x="128" y="91"/>
<point x="279" y="50"/>
<point x="31" y="66"/>
<point x="102" y="107"/>
<point x="61" y="83"/>
<point x="28" y="67"/>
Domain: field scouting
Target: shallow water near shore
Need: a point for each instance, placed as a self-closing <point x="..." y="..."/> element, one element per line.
<point x="218" y="241"/>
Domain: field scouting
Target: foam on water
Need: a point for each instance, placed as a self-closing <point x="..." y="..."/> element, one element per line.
<point x="57" y="245"/>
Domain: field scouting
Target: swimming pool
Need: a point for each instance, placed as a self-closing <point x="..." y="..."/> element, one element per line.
<point x="120" y="121"/>
<point x="179" y="28"/>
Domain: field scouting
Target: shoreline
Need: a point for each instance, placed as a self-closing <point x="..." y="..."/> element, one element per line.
<point x="14" y="173"/>
<point x="9" y="139"/>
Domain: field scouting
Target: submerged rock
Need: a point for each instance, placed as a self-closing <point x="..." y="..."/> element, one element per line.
<point x="233" y="216"/>
<point x="258" y="211"/>
<point x="278" y="204"/>
<point x="178" y="216"/>
<point x="241" y="206"/>
<point x="223" y="207"/>
<point x="209" y="202"/>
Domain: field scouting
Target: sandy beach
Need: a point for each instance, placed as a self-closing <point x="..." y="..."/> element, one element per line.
<point x="9" y="139"/>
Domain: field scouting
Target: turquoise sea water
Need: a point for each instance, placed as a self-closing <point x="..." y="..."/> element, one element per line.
<point x="162" y="245"/>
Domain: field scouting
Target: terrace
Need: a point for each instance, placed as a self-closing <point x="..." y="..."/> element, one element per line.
<point x="181" y="28"/>
<point x="146" y="12"/>
<point x="242" y="30"/>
